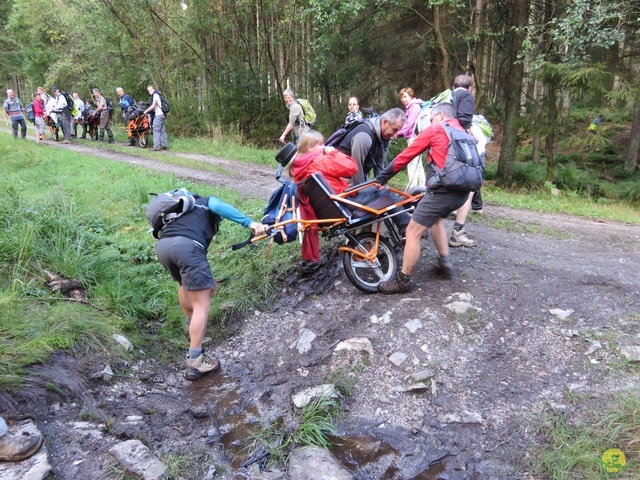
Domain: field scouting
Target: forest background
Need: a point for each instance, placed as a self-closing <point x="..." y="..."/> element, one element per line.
<point x="543" y="69"/>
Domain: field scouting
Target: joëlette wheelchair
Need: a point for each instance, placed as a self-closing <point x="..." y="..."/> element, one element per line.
<point x="373" y="241"/>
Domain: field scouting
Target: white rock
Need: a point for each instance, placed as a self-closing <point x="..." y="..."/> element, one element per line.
<point x="460" y="307"/>
<point x="413" y="325"/>
<point x="383" y="320"/>
<point x="421" y="375"/>
<point x="136" y="458"/>
<point x="397" y="358"/>
<point x="122" y="340"/>
<point x="303" y="345"/>
<point x="461" y="417"/>
<point x="302" y="398"/>
<point x="413" y="387"/>
<point x="561" y="314"/>
<point x="355" y="345"/>
<point x="316" y="463"/>
<point x="594" y="346"/>
<point x="463" y="297"/>
<point x="631" y="353"/>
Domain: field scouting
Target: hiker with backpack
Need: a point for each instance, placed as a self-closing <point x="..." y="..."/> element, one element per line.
<point x="160" y="141"/>
<point x="412" y="106"/>
<point x="14" y="111"/>
<point x="63" y="110"/>
<point x="103" y="112"/>
<point x="182" y="251"/>
<point x="367" y="142"/>
<point x="439" y="140"/>
<point x="38" y="117"/>
<point x="465" y="105"/>
<point x="297" y="121"/>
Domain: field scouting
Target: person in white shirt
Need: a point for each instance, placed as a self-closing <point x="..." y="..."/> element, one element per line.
<point x="160" y="141"/>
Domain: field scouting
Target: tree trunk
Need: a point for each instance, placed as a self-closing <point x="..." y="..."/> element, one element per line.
<point x="552" y="118"/>
<point x="442" y="48"/>
<point x="537" y="122"/>
<point x="512" y="88"/>
<point x="631" y="162"/>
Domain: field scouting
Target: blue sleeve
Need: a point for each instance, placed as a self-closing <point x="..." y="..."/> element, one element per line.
<point x="227" y="211"/>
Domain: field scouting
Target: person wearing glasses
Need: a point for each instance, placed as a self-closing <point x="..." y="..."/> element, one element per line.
<point x="368" y="143"/>
<point x="437" y="203"/>
<point x="354" y="115"/>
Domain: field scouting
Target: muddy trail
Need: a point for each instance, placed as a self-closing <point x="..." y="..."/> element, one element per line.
<point x="455" y="381"/>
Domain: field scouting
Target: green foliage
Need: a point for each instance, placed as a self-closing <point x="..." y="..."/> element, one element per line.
<point x="314" y="425"/>
<point x="83" y="219"/>
<point x="574" y="448"/>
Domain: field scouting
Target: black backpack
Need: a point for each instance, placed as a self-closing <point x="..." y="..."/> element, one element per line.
<point x="109" y="105"/>
<point x="31" y="116"/>
<point x="164" y="105"/>
<point x="71" y="105"/>
<point x="336" y="137"/>
<point x="462" y="170"/>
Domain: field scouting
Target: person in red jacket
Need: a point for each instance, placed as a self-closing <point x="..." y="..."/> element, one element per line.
<point x="335" y="166"/>
<point x="437" y="203"/>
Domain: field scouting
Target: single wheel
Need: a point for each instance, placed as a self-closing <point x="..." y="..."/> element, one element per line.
<point x="94" y="133"/>
<point x="54" y="133"/>
<point x="143" y="140"/>
<point x="366" y="275"/>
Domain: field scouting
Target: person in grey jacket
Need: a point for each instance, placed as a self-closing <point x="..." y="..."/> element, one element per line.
<point x="368" y="143"/>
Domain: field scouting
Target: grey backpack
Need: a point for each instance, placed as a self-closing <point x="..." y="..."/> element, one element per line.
<point x="165" y="208"/>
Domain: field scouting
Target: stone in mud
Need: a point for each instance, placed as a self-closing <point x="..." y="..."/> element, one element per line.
<point x="136" y="458"/>
<point x="314" y="463"/>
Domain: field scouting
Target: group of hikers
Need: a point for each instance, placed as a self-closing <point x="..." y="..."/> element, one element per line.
<point x="61" y="110"/>
<point x="355" y="157"/>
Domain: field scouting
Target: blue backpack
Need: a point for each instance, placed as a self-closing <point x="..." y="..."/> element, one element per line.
<point x="281" y="199"/>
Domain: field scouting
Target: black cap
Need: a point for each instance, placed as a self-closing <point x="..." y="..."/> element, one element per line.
<point x="54" y="89"/>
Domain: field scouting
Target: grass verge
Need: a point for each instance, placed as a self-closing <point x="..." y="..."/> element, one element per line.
<point x="82" y="218"/>
<point x="576" y="448"/>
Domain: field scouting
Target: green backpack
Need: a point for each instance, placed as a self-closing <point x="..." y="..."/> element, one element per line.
<point x="307" y="109"/>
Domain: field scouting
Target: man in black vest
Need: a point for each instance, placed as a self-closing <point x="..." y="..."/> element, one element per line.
<point x="368" y="143"/>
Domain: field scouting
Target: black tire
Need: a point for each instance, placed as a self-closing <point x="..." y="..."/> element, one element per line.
<point x="143" y="140"/>
<point x="55" y="133"/>
<point x="364" y="275"/>
<point x="93" y="133"/>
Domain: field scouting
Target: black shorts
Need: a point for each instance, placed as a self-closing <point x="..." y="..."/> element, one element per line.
<point x="437" y="203"/>
<point x="186" y="261"/>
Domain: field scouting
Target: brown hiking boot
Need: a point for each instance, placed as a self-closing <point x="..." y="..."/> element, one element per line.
<point x="399" y="284"/>
<point x="200" y="366"/>
<point x="14" y="448"/>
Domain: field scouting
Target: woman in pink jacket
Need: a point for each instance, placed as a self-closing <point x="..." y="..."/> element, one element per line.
<point x="412" y="106"/>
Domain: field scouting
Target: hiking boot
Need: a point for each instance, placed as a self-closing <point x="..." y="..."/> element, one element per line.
<point x="459" y="238"/>
<point x="399" y="284"/>
<point x="201" y="366"/>
<point x="110" y="140"/>
<point x="14" y="448"/>
<point x="156" y="149"/>
<point x="477" y="210"/>
<point x="445" y="267"/>
<point x="66" y="142"/>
